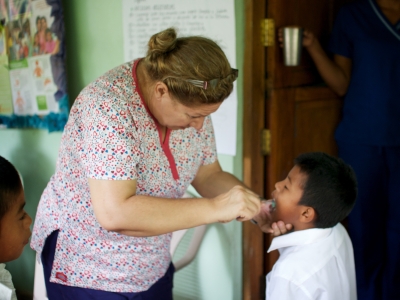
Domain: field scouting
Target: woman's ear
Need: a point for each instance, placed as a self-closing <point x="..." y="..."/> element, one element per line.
<point x="160" y="89"/>
<point x="308" y="214"/>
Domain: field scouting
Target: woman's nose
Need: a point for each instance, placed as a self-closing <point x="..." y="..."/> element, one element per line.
<point x="197" y="123"/>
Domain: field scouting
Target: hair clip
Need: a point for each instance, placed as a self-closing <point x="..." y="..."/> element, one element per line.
<point x="211" y="83"/>
<point x="203" y="84"/>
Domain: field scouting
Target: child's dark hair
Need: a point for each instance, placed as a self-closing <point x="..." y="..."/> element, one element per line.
<point x="330" y="187"/>
<point x="10" y="185"/>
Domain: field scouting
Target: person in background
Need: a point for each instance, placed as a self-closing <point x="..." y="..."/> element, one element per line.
<point x="36" y="45"/>
<point x="14" y="224"/>
<point x="41" y="33"/>
<point x="23" y="49"/>
<point x="316" y="259"/>
<point x="50" y="44"/>
<point x="365" y="69"/>
<point x="136" y="138"/>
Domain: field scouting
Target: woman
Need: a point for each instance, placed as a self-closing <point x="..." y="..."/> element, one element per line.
<point x="136" y="138"/>
<point x="366" y="69"/>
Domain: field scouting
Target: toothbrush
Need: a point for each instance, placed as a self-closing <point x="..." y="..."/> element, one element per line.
<point x="272" y="206"/>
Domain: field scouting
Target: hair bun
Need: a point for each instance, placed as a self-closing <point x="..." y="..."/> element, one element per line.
<point x="161" y="43"/>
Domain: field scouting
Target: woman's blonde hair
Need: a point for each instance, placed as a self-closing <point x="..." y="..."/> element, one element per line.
<point x="179" y="61"/>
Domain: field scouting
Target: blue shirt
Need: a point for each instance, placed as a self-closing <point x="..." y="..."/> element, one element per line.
<point x="371" y="112"/>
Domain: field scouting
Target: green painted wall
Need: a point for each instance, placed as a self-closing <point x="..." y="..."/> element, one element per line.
<point x="94" y="45"/>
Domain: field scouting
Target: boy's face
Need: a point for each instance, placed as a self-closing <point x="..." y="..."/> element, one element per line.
<point x="287" y="195"/>
<point x="14" y="230"/>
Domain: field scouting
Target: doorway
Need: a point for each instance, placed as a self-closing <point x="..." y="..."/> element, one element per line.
<point x="287" y="111"/>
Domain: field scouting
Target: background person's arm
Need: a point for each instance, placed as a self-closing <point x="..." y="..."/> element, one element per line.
<point x="336" y="73"/>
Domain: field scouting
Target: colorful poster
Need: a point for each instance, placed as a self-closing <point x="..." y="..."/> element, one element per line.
<point x="6" y="104"/>
<point x="34" y="48"/>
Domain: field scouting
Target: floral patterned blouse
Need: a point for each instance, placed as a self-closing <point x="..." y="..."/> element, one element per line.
<point x="111" y="135"/>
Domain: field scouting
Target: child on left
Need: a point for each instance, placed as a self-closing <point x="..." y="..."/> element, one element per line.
<point x="14" y="224"/>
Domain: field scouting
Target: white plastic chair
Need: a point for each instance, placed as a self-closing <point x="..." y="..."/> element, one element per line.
<point x="194" y="244"/>
<point x="39" y="287"/>
<point x="191" y="251"/>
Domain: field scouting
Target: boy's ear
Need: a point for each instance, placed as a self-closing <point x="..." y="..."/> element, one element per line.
<point x="308" y="214"/>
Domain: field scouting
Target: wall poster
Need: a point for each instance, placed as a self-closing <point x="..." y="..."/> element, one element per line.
<point x="32" y="65"/>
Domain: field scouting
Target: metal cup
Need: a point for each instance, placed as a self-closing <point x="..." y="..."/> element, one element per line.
<point x="292" y="44"/>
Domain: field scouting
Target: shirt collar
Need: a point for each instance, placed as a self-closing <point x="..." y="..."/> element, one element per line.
<point x="392" y="28"/>
<point x="299" y="238"/>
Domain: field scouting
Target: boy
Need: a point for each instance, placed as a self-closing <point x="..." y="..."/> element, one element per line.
<point x="14" y="224"/>
<point x="316" y="259"/>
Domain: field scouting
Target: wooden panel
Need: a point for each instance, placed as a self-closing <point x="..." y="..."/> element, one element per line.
<point x="300" y="120"/>
<point x="279" y="112"/>
<point x="314" y="93"/>
<point x="253" y="161"/>
<point x="310" y="14"/>
<point x="315" y="124"/>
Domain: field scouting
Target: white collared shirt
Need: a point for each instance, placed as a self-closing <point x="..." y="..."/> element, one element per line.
<point x="7" y="291"/>
<point x="313" y="264"/>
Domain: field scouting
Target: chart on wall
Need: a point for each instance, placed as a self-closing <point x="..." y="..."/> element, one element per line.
<point x="209" y="18"/>
<point x="32" y="65"/>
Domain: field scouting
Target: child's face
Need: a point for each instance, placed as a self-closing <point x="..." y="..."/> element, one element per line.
<point x="14" y="231"/>
<point x="287" y="195"/>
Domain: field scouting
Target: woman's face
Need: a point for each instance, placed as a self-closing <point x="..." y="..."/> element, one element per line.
<point x="174" y="115"/>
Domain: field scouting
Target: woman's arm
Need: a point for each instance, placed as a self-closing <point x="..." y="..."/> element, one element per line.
<point x="212" y="180"/>
<point x="118" y="208"/>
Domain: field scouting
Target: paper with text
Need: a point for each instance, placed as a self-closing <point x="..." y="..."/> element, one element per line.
<point x="212" y="19"/>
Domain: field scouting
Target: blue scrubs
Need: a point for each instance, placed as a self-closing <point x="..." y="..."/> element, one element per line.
<point x="369" y="140"/>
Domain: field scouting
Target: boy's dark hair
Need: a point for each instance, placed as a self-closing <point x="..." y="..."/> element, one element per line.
<point x="10" y="185"/>
<point x="330" y="187"/>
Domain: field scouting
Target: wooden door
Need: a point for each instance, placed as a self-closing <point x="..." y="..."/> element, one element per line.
<point x="292" y="102"/>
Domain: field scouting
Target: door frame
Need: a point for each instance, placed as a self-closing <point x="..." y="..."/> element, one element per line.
<point x="253" y="160"/>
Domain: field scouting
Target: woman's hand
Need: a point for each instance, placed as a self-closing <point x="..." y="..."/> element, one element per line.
<point x="264" y="220"/>
<point x="238" y="203"/>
